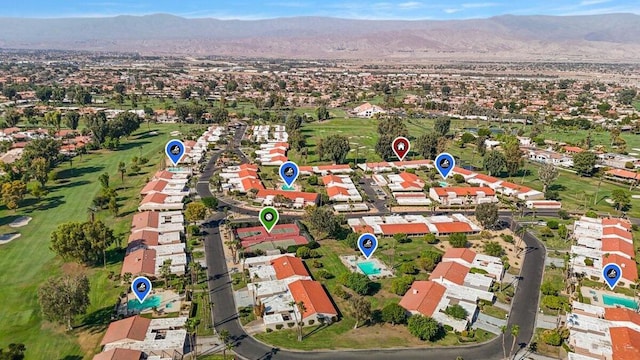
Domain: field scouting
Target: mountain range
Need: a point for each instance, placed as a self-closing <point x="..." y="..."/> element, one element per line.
<point x="610" y="37"/>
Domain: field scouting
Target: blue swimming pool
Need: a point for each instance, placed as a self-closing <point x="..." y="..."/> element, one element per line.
<point x="615" y="300"/>
<point x="287" y="188"/>
<point x="443" y="184"/>
<point x="150" y="302"/>
<point x="369" y="268"/>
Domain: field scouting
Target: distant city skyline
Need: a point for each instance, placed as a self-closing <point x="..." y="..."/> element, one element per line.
<point x="352" y="9"/>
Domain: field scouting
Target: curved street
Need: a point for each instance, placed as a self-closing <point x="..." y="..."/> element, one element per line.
<point x="523" y="312"/>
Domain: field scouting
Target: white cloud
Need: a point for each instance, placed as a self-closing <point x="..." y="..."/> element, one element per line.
<point x="479" y="5"/>
<point x="593" y="2"/>
<point x="451" y="10"/>
<point x="410" y="5"/>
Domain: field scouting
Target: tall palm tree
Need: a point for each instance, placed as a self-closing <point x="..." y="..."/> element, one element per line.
<point x="225" y="336"/>
<point x="503" y="331"/>
<point x="301" y="309"/>
<point x="515" y="331"/>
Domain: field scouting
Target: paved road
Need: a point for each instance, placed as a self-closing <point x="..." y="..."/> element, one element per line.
<point x="225" y="316"/>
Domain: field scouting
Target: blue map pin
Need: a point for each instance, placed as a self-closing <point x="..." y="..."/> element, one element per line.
<point x="367" y="243"/>
<point x="611" y="274"/>
<point x="141" y="287"/>
<point x="444" y="164"/>
<point x="289" y="173"/>
<point x="175" y="151"/>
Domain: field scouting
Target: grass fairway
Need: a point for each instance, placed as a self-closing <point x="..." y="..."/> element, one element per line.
<point x="27" y="261"/>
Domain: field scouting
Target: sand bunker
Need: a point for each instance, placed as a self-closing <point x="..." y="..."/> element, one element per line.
<point x="19" y="222"/>
<point x="6" y="238"/>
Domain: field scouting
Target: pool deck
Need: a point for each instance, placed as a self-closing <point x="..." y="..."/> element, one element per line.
<point x="351" y="262"/>
<point x="595" y="296"/>
<point x="170" y="302"/>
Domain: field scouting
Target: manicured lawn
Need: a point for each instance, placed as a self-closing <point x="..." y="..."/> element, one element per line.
<point x="27" y="261"/>
<point x="341" y="335"/>
<point x="495" y="311"/>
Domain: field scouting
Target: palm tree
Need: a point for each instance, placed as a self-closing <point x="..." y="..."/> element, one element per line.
<point x="503" y="331"/>
<point x="515" y="331"/>
<point x="301" y="308"/>
<point x="225" y="336"/>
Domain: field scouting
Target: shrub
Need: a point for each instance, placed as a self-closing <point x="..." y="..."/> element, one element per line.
<point x="546" y="232"/>
<point x="312" y="180"/>
<point x="394" y="314"/>
<point x="399" y="286"/>
<point x="316" y="264"/>
<point x="279" y="326"/>
<point x="270" y="329"/>
<point x="448" y="328"/>
<point x="292" y="248"/>
<point x="401" y="238"/>
<point x="408" y="268"/>
<point x="325" y="274"/>
<point x="591" y="214"/>
<point x="303" y="252"/>
<point x="430" y="238"/>
<point x="339" y="292"/>
<point x="456" y="311"/>
<point x="290" y="324"/>
<point x="458" y="240"/>
<point x="486" y="234"/>
<point x="311" y="322"/>
<point x="588" y="262"/>
<point x="563" y="214"/>
<point x="459" y="179"/>
<point x="553" y="224"/>
<point x="314" y="254"/>
<point x="359" y="283"/>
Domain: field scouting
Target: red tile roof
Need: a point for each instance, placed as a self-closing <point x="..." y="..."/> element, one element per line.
<point x="155" y="198"/>
<point x="451" y="271"/>
<point x="464" y="191"/>
<point x="487" y="178"/>
<point x="621" y="314"/>
<point x="625" y="343"/>
<point x="315" y="299"/>
<point x="144" y="237"/>
<point x="626" y="174"/>
<point x="249" y="167"/>
<point x="163" y="174"/>
<point x="629" y="270"/>
<point x="516" y="187"/>
<point x="465" y="254"/>
<point x="453" y="227"/>
<point x="142" y="261"/>
<point x="308" y="197"/>
<point x="423" y="297"/>
<point x="119" y="354"/>
<point x="409" y="229"/>
<point x="133" y="328"/>
<point x="615" y="221"/>
<point x="250" y="183"/>
<point x="288" y="266"/>
<point x="462" y="171"/>
<point x="613" y="244"/>
<point x="362" y="229"/>
<point x="153" y="186"/>
<point x="331" y="178"/>
<point x="145" y="219"/>
<point x="336" y="190"/>
<point x="612" y="230"/>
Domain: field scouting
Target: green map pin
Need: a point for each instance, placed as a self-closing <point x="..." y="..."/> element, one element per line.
<point x="269" y="218"/>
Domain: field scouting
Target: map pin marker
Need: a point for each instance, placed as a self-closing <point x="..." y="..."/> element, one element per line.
<point x="175" y="151"/>
<point x="141" y="287"/>
<point x="367" y="243"/>
<point x="401" y="147"/>
<point x="611" y="274"/>
<point x="444" y="164"/>
<point x="289" y="173"/>
<point x="269" y="217"/>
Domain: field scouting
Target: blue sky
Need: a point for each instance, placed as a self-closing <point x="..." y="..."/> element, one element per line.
<point x="357" y="9"/>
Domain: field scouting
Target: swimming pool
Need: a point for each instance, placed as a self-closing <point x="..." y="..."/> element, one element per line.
<point x="443" y="184"/>
<point x="615" y="300"/>
<point x="148" y="303"/>
<point x="369" y="268"/>
<point x="287" y="188"/>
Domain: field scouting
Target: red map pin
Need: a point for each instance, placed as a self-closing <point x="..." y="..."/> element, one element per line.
<point x="401" y="147"/>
